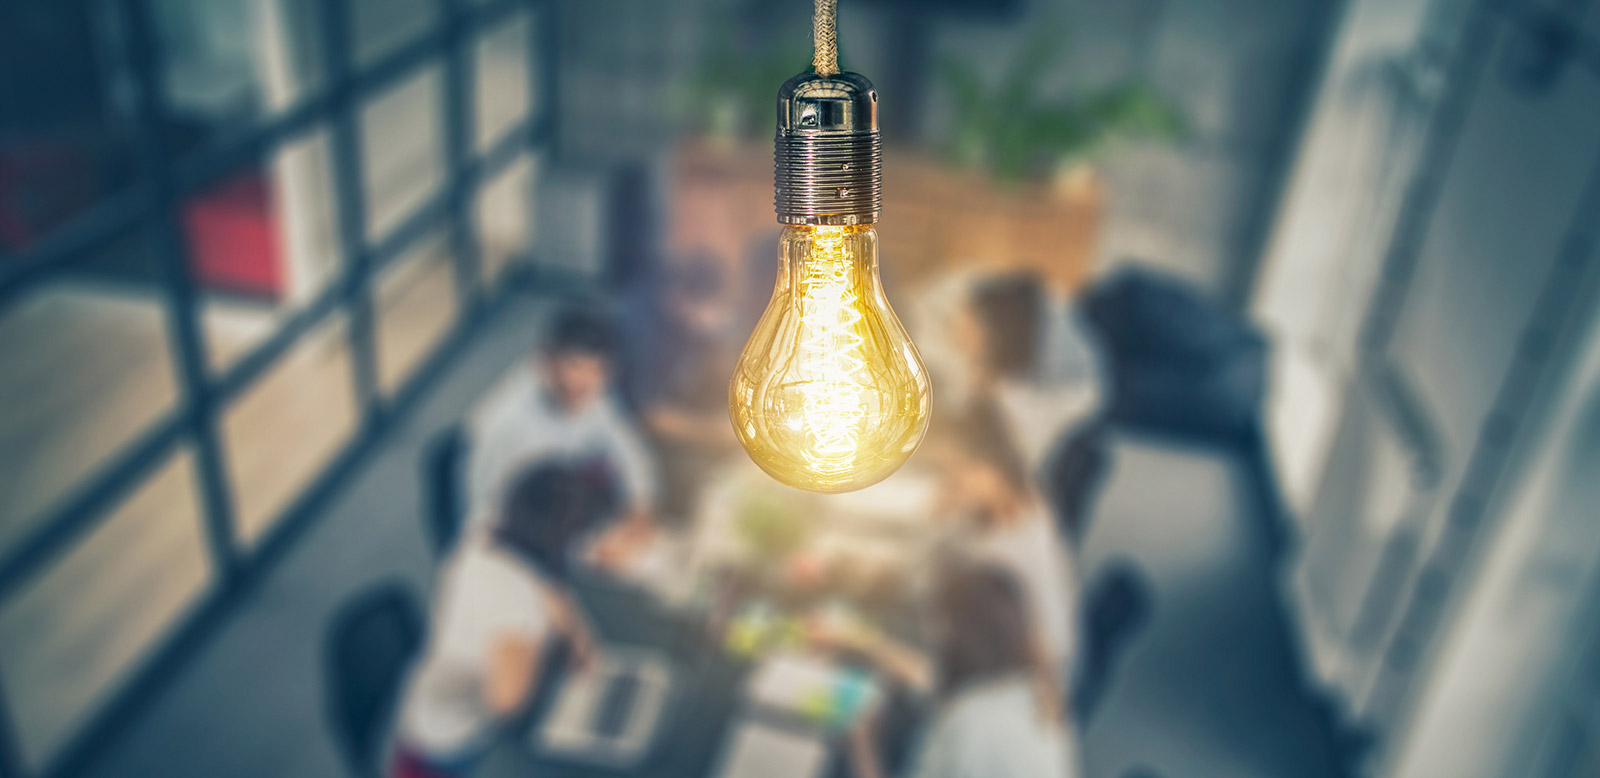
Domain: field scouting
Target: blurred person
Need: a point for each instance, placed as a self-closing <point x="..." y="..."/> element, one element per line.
<point x="997" y="518"/>
<point x="1027" y="350"/>
<point x="1002" y="519"/>
<point x="682" y="337"/>
<point x="560" y="408"/>
<point x="997" y="712"/>
<point x="501" y="605"/>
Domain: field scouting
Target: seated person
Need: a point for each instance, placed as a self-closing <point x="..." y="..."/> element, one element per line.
<point x="683" y="339"/>
<point x="998" y="713"/>
<point x="560" y="408"/>
<point x="501" y="603"/>
<point x="1003" y="521"/>
<point x="1030" y="353"/>
<point x="1000" y="522"/>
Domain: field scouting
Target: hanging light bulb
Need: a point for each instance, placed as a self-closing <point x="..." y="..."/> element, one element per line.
<point x="829" y="394"/>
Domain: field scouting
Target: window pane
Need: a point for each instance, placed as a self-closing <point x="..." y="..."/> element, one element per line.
<point x="262" y="245"/>
<point x="416" y="308"/>
<point x="402" y="150"/>
<point x="85" y="367"/>
<point x="502" y="78"/>
<point x="228" y="63"/>
<point x="70" y="637"/>
<point x="382" y="26"/>
<point x="505" y="217"/>
<point x="283" y="430"/>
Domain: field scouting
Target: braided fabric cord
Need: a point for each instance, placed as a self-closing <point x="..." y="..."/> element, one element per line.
<point x="825" y="37"/>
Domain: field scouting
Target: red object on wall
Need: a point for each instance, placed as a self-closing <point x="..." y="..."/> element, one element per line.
<point x="233" y="239"/>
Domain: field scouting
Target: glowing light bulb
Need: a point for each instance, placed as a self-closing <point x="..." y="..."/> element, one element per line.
<point x="830" y="394"/>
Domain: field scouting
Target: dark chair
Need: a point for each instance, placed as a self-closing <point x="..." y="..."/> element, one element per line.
<point x="1180" y="363"/>
<point x="635" y="216"/>
<point x="371" y="642"/>
<point x="1119" y="604"/>
<point x="444" y="475"/>
<point x="1073" y="476"/>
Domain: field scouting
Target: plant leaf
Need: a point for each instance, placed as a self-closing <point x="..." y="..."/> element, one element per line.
<point x="1137" y="110"/>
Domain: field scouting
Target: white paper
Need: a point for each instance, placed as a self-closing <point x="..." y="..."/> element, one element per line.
<point x="761" y="751"/>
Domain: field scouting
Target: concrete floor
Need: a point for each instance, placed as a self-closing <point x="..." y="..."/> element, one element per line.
<point x="1207" y="690"/>
<point x="1211" y="688"/>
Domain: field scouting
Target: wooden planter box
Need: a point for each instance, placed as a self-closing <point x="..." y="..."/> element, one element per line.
<point x="935" y="219"/>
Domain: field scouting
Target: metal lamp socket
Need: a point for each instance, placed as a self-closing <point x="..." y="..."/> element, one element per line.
<point x="828" y="156"/>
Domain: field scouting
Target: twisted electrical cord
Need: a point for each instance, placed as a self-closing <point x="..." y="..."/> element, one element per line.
<point x="825" y="37"/>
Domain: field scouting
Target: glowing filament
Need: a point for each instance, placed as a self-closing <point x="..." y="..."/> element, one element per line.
<point x="833" y="363"/>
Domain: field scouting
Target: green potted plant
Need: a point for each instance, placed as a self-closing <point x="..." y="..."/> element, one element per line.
<point x="1014" y="129"/>
<point x="1017" y="188"/>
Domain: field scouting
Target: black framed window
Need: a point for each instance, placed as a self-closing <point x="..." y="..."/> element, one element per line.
<point x="274" y="222"/>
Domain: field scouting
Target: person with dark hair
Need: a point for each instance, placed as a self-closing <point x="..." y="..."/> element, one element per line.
<point x="1002" y="520"/>
<point x="1028" y="353"/>
<point x="998" y="712"/>
<point x="501" y="603"/>
<point x="1008" y="311"/>
<point x="560" y="408"/>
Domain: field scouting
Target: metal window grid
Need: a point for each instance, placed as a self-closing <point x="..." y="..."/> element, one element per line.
<point x="163" y="184"/>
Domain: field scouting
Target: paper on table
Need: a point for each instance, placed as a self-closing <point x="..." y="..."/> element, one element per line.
<point x="812" y="687"/>
<point x="761" y="751"/>
<point x="786" y="681"/>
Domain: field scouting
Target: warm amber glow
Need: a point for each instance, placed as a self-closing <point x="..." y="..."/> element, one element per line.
<point x="834" y="358"/>
<point x="830" y="394"/>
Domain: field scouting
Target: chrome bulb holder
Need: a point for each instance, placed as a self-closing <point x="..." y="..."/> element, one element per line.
<point x="828" y="156"/>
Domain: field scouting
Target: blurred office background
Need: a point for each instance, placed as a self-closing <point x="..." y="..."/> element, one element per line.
<point x="256" y="254"/>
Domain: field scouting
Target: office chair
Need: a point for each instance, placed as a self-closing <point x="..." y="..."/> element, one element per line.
<point x="444" y="500"/>
<point x="1119" y="605"/>
<point x="371" y="642"/>
<point x="1179" y="363"/>
<point x="1074" y="475"/>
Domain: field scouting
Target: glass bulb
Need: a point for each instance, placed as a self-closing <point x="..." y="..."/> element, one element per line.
<point x="830" y="394"/>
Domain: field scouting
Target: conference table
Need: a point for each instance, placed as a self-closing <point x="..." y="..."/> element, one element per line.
<point x="709" y="631"/>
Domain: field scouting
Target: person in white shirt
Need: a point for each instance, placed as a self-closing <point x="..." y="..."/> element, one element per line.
<point x="1000" y="526"/>
<point x="1002" y="520"/>
<point x="560" y="407"/>
<point x="501" y="603"/>
<point x="998" y="713"/>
